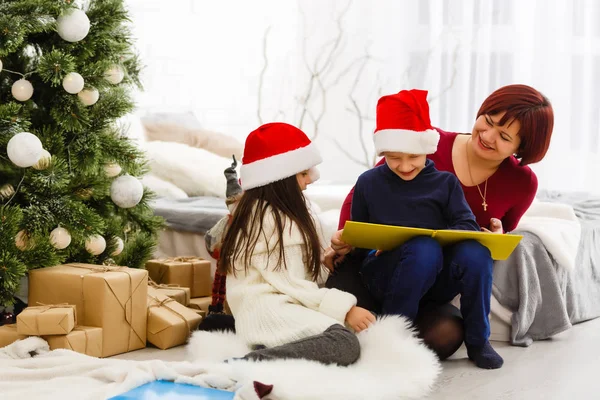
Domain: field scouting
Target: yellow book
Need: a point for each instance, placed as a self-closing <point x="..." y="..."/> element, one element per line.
<point x="388" y="237"/>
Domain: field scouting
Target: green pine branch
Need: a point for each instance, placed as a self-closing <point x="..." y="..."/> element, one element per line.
<point x="73" y="191"/>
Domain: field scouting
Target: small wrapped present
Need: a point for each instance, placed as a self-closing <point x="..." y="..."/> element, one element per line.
<point x="169" y="323"/>
<point x="9" y="335"/>
<point x="190" y="272"/>
<point x="57" y="319"/>
<point x="82" y="339"/>
<point x="112" y="298"/>
<point x="180" y="294"/>
<point x="201" y="303"/>
<point x="201" y="313"/>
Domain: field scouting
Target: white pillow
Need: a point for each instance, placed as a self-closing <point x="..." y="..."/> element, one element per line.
<point x="329" y="223"/>
<point x="328" y="196"/>
<point x="163" y="188"/>
<point x="197" y="171"/>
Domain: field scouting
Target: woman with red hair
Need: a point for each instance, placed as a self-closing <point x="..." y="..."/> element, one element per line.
<point x="512" y="129"/>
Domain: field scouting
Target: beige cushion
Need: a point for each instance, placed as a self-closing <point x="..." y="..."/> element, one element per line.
<point x="217" y="143"/>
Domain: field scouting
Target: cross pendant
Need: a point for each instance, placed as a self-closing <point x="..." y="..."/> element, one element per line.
<point x="484" y="204"/>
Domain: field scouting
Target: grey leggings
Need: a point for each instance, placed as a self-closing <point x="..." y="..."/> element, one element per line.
<point x="337" y="345"/>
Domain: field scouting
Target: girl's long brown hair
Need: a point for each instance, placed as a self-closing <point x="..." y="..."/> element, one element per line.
<point x="287" y="202"/>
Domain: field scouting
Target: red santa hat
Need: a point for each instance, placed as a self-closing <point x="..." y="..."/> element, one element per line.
<point x="403" y="124"/>
<point x="276" y="151"/>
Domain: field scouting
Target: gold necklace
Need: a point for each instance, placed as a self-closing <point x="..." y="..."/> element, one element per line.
<point x="484" y="194"/>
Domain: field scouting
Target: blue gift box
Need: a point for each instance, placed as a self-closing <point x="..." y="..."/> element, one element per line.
<point x="173" y="391"/>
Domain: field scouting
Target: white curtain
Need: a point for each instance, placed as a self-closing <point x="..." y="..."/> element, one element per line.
<point x="322" y="65"/>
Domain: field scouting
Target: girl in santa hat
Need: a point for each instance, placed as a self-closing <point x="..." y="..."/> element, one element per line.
<point x="271" y="255"/>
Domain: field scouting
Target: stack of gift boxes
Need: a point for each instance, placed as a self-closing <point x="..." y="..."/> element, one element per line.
<point x="103" y="311"/>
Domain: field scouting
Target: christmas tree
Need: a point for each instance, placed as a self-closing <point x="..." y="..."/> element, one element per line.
<point x="69" y="190"/>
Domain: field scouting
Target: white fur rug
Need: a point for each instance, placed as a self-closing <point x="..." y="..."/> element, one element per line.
<point x="394" y="364"/>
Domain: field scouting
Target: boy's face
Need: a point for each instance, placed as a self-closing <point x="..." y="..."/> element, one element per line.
<point x="406" y="166"/>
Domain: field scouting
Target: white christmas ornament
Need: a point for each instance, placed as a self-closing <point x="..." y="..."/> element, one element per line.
<point x="24" y="149"/>
<point x="120" y="246"/>
<point x="44" y="161"/>
<point x="126" y="191"/>
<point x="89" y="96"/>
<point x="114" y="74"/>
<point x="60" y="238"/>
<point x="73" y="25"/>
<point x="22" y="90"/>
<point x="112" y="169"/>
<point x="0" y="65"/>
<point x="73" y="83"/>
<point x="95" y="245"/>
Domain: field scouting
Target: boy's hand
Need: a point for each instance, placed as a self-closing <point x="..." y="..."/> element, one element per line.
<point x="337" y="244"/>
<point x="359" y="318"/>
<point x="331" y="259"/>
<point x="495" y="226"/>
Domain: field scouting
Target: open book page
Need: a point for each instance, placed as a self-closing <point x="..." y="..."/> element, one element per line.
<point x="388" y="237"/>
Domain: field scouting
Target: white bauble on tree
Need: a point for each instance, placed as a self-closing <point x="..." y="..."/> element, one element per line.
<point x="89" y="97"/>
<point x="44" y="161"/>
<point x="95" y="245"/>
<point x="73" y="83"/>
<point x="112" y="169"/>
<point x="114" y="74"/>
<point x="126" y="191"/>
<point x="24" y="149"/>
<point x="60" y="238"/>
<point x="73" y="25"/>
<point x="22" y="90"/>
<point x="120" y="246"/>
<point x="0" y="65"/>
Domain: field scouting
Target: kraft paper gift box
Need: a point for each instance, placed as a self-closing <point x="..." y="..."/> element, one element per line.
<point x="190" y="272"/>
<point x="9" y="335"/>
<point x="201" y="303"/>
<point x="202" y="313"/>
<point x="58" y="319"/>
<point x="82" y="339"/>
<point x="111" y="298"/>
<point x="169" y="323"/>
<point x="180" y="294"/>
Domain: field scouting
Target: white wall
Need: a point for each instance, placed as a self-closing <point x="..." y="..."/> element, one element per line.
<point x="206" y="57"/>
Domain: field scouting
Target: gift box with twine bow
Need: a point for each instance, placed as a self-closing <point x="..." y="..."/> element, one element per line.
<point x="52" y="319"/>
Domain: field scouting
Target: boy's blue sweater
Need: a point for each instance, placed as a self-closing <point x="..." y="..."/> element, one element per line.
<point x="433" y="200"/>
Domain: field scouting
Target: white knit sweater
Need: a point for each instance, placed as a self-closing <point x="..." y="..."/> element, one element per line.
<point x="275" y="307"/>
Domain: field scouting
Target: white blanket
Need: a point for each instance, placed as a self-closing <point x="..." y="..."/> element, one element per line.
<point x="394" y="364"/>
<point x="557" y="227"/>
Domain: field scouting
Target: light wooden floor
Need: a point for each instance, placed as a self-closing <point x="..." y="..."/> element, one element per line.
<point x="566" y="367"/>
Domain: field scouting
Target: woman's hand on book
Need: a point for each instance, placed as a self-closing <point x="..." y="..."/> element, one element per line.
<point x="337" y="244"/>
<point x="495" y="226"/>
<point x="359" y="318"/>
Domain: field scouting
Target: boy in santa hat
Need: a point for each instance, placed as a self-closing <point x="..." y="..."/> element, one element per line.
<point x="407" y="190"/>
